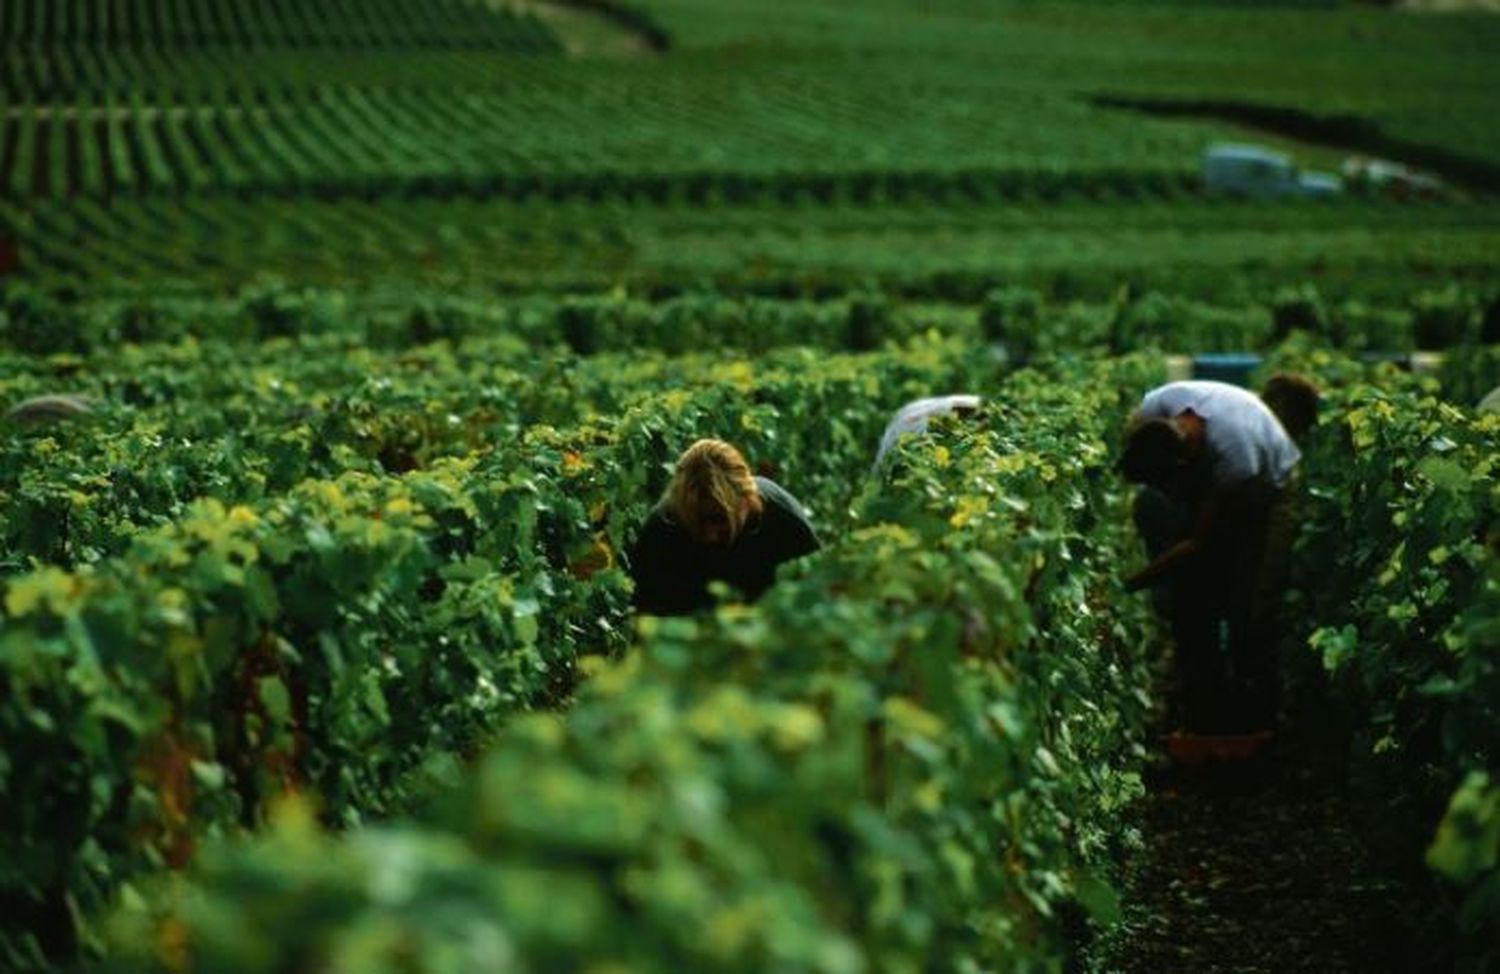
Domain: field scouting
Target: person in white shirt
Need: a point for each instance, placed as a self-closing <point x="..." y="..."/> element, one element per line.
<point x="1216" y="464"/>
<point x="913" y="419"/>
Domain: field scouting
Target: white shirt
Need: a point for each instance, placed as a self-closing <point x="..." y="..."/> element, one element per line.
<point x="1244" y="439"/>
<point x="912" y="419"/>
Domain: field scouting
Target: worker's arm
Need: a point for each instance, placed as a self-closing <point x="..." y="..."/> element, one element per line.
<point x="1216" y="510"/>
<point x="1164" y="564"/>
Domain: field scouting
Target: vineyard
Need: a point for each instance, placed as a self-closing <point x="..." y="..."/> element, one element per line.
<point x="352" y="343"/>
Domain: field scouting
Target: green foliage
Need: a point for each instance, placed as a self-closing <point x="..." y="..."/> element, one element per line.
<point x="1399" y="577"/>
<point x="1217" y="252"/>
<point x="35" y="322"/>
<point x="1155" y="320"/>
<point x="1446" y="318"/>
<point x="1011" y="317"/>
<point x="910" y="755"/>
<point x="314" y="556"/>
<point x="1299" y="308"/>
<point x="1466" y="851"/>
<point x="335" y="636"/>
<point x="348" y="505"/>
<point x="1021" y="319"/>
<point x="871" y="321"/>
<point x="704" y="321"/>
<point x="1467" y="378"/>
<point x="1467" y="846"/>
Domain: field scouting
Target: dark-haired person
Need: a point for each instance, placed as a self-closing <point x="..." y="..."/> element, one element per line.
<point x="716" y="522"/>
<point x="1215" y="463"/>
<point x="1294" y="399"/>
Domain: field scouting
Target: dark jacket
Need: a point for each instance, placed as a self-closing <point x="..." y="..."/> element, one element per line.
<point x="672" y="571"/>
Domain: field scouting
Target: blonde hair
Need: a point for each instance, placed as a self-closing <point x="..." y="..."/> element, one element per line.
<point x="711" y="486"/>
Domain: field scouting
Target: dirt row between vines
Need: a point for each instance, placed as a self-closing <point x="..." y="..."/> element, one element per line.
<point x="1255" y="869"/>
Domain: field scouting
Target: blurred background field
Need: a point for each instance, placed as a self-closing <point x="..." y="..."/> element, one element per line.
<point x="735" y="143"/>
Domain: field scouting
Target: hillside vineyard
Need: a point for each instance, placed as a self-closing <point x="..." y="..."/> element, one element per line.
<point x="345" y="348"/>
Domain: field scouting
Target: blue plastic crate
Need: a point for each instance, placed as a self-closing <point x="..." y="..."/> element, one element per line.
<point x="1232" y="367"/>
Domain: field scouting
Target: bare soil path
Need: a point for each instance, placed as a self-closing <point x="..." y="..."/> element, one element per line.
<point x="1255" y="869"/>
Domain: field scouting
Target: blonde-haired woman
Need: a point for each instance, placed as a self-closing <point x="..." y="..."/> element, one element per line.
<point x="716" y="522"/>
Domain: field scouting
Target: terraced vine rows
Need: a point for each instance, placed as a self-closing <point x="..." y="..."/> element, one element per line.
<point x="101" y="107"/>
<point x="340" y="139"/>
<point x="334" y="146"/>
<point x="84" y="25"/>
